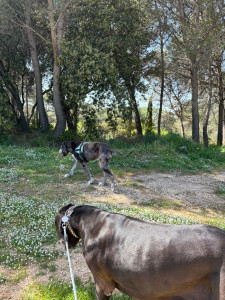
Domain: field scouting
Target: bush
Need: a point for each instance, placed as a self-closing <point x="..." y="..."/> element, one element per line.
<point x="6" y="140"/>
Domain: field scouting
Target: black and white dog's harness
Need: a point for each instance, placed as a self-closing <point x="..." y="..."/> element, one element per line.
<point x="80" y="152"/>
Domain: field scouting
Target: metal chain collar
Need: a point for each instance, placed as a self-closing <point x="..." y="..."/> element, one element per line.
<point x="66" y="218"/>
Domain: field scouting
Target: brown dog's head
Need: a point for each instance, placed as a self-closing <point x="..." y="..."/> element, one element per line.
<point x="72" y="241"/>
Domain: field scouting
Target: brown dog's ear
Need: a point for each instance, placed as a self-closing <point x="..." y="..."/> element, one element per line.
<point x="58" y="226"/>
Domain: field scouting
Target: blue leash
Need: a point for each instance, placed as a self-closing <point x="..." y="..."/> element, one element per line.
<point x="64" y="225"/>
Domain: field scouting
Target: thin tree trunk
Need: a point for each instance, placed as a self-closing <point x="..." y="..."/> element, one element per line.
<point x="162" y="82"/>
<point x="205" y="125"/>
<point x="135" y="110"/>
<point x="60" y="115"/>
<point x="181" y="126"/>
<point x="221" y="103"/>
<point x="37" y="74"/>
<point x="27" y="105"/>
<point x="149" y="121"/>
<point x="195" y="113"/>
<point x="178" y="113"/>
<point x="224" y="127"/>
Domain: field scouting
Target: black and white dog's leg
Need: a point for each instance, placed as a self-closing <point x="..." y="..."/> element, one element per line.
<point x="88" y="172"/>
<point x="103" y="164"/>
<point x="71" y="172"/>
<point x="108" y="172"/>
<point x="102" y="183"/>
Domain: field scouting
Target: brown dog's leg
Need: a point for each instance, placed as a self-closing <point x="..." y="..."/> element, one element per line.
<point x="103" y="293"/>
<point x="222" y="282"/>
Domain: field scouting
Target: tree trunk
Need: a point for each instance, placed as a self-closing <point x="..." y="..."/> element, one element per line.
<point x="182" y="132"/>
<point x="135" y="109"/>
<point x="37" y="74"/>
<point x="15" y="94"/>
<point x="224" y="127"/>
<point x="205" y="125"/>
<point x="195" y="113"/>
<point x="149" y="121"/>
<point x="60" y="115"/>
<point x="162" y="82"/>
<point x="221" y="103"/>
<point x="71" y="118"/>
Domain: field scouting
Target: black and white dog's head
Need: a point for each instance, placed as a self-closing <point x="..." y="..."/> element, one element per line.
<point x="66" y="148"/>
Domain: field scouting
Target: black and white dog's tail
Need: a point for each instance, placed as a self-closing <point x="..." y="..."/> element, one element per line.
<point x="124" y="155"/>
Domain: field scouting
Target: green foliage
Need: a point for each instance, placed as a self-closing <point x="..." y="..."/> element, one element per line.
<point x="91" y="127"/>
<point x="6" y="140"/>
<point x="7" y="119"/>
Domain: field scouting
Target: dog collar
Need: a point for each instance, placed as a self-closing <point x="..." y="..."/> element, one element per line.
<point x="66" y="220"/>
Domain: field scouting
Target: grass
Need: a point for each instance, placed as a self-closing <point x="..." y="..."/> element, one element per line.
<point x="28" y="228"/>
<point x="220" y="191"/>
<point x="32" y="190"/>
<point x="62" y="291"/>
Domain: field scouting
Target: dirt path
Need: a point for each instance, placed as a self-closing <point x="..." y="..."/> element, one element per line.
<point x="172" y="188"/>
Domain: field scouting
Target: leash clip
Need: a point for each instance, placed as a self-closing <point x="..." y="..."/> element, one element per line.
<point x="65" y="220"/>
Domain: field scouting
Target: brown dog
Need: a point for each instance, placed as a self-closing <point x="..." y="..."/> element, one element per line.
<point x="147" y="261"/>
<point x="83" y="152"/>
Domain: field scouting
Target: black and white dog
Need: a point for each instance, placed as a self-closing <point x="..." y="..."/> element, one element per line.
<point x="83" y="152"/>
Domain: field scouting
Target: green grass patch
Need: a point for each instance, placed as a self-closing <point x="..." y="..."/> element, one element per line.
<point x="220" y="191"/>
<point x="63" y="291"/>
<point x="28" y="230"/>
<point x="33" y="189"/>
<point x="3" y="278"/>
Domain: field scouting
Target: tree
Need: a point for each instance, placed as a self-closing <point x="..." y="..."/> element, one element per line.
<point x="37" y="73"/>
<point x="221" y="99"/>
<point x="13" y="69"/>
<point x="160" y="14"/>
<point x="176" y="91"/>
<point x="195" y="24"/>
<point x="57" y="29"/>
<point x="117" y="30"/>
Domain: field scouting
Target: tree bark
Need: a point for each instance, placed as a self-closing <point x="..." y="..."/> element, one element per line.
<point x="60" y="115"/>
<point x="195" y="113"/>
<point x="162" y="81"/>
<point x="181" y="126"/>
<point x="205" y="125"/>
<point x="135" y="109"/>
<point x="37" y="74"/>
<point x="221" y="102"/>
